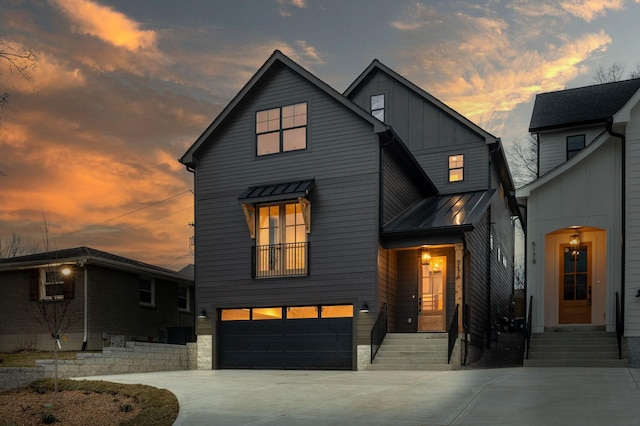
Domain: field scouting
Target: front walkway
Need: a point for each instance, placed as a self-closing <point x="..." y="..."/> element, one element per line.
<point x="523" y="396"/>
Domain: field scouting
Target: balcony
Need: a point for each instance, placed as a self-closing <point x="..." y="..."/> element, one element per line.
<point x="281" y="260"/>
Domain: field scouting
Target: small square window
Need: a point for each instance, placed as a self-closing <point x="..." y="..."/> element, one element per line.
<point x="456" y="168"/>
<point x="281" y="129"/>
<point x="575" y="144"/>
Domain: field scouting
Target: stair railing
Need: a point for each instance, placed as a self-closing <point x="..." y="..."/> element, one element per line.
<point x="527" y="328"/>
<point x="379" y="330"/>
<point x="453" y="333"/>
<point x="619" y="327"/>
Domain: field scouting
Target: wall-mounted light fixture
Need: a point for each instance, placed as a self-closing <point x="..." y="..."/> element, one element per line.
<point x="365" y="308"/>
<point x="425" y="256"/>
<point x="203" y="314"/>
<point x="638" y="295"/>
<point x="65" y="271"/>
<point x="574" y="243"/>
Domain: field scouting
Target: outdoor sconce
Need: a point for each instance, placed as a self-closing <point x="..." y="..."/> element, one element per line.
<point x="425" y="256"/>
<point x="203" y="314"/>
<point x="638" y="295"/>
<point x="365" y="308"/>
<point x="65" y="271"/>
<point x="574" y="242"/>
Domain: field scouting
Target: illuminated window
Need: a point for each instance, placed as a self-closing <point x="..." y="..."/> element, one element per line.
<point x="281" y="248"/>
<point x="52" y="284"/>
<point x="377" y="106"/>
<point x="302" y="312"/>
<point x="147" y="292"/>
<point x="456" y="168"/>
<point x="267" y="313"/>
<point x="281" y="129"/>
<point x="575" y="144"/>
<point x="337" y="311"/>
<point x="235" y="314"/>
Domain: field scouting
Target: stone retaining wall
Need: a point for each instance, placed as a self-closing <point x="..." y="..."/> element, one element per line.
<point x="135" y="357"/>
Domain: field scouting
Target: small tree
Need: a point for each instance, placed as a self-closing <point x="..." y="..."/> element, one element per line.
<point x="54" y="304"/>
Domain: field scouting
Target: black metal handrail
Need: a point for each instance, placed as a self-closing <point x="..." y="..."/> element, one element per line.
<point x="379" y="330"/>
<point x="619" y="328"/>
<point x="453" y="332"/>
<point x="527" y="327"/>
<point x="281" y="260"/>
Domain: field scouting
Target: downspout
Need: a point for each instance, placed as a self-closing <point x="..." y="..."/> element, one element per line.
<point x="622" y="137"/>
<point x="85" y="335"/>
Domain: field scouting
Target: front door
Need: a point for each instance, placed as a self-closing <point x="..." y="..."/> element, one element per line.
<point x="575" y="284"/>
<point x="431" y="306"/>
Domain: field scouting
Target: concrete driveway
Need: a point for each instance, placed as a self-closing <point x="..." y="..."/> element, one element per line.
<point x="520" y="396"/>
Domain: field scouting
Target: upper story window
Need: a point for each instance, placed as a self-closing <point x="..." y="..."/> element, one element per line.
<point x="281" y="129"/>
<point x="377" y="106"/>
<point x="574" y="145"/>
<point x="456" y="168"/>
<point x="147" y="292"/>
<point x="281" y="246"/>
<point x="183" y="298"/>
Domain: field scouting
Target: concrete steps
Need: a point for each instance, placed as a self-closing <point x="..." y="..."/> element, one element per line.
<point x="572" y="347"/>
<point x="412" y="351"/>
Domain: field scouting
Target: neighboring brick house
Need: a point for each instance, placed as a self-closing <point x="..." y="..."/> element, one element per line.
<point x="111" y="298"/>
<point x="319" y="215"/>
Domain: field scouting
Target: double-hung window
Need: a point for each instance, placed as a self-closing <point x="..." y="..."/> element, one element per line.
<point x="456" y="168"/>
<point x="147" y="292"/>
<point x="53" y="284"/>
<point x="281" y="246"/>
<point x="183" y="298"/>
<point x="281" y="129"/>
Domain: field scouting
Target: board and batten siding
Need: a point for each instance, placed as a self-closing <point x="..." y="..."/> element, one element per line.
<point x="342" y="156"/>
<point x="632" y="275"/>
<point x="430" y="133"/>
<point x="553" y="145"/>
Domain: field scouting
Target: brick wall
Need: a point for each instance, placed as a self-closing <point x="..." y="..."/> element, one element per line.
<point x="135" y="357"/>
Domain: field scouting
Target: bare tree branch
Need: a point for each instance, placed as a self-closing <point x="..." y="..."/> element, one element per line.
<point x="20" y="62"/>
<point x="523" y="156"/>
<point x="614" y="73"/>
<point x="17" y="245"/>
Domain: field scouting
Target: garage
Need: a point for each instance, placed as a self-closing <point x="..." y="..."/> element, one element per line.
<point x="302" y="337"/>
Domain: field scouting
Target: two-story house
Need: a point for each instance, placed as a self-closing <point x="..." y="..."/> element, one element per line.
<point x="99" y="299"/>
<point x="582" y="217"/>
<point x="324" y="220"/>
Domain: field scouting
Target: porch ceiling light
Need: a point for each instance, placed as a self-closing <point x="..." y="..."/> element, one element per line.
<point x="574" y="242"/>
<point x="425" y="256"/>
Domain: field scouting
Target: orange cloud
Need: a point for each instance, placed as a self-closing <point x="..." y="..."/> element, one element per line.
<point x="107" y="24"/>
<point x="591" y="9"/>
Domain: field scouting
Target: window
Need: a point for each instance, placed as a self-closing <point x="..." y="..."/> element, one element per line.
<point x="281" y="248"/>
<point x="183" y="298"/>
<point x="574" y="145"/>
<point x="456" y="168"/>
<point x="281" y="129"/>
<point x="53" y="284"/>
<point x="147" y="292"/>
<point x="377" y="106"/>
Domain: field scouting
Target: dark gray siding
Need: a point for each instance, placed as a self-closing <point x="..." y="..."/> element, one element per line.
<point x="398" y="191"/>
<point x="430" y="133"/>
<point x="388" y="283"/>
<point x="477" y="283"/>
<point x="342" y="156"/>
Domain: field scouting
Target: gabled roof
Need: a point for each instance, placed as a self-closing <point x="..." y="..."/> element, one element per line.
<point x="277" y="58"/>
<point x="581" y="106"/>
<point x="377" y="65"/>
<point x="87" y="255"/>
<point x="439" y="214"/>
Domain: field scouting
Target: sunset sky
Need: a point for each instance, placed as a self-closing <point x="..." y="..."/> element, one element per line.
<point x="122" y="88"/>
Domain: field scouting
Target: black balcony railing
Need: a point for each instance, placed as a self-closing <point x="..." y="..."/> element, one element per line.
<point x="281" y="260"/>
<point x="379" y="330"/>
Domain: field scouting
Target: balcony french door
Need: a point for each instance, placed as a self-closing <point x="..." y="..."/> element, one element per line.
<point x="282" y="248"/>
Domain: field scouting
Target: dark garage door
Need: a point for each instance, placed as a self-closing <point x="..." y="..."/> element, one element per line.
<point x="318" y="343"/>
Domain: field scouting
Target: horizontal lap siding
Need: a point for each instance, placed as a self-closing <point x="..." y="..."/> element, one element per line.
<point x="476" y="283"/>
<point x="399" y="192"/>
<point x="342" y="157"/>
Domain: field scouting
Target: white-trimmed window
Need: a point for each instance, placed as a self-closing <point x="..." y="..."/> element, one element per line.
<point x="52" y="283"/>
<point x="147" y="291"/>
<point x="377" y="106"/>
<point x="456" y="168"/>
<point x="183" y="298"/>
<point x="281" y="129"/>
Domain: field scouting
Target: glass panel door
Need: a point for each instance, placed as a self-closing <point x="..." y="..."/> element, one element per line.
<point x="432" y="303"/>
